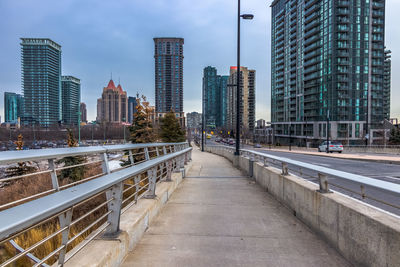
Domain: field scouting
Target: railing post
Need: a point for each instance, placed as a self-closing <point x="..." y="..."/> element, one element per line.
<point x="285" y="170"/>
<point x="131" y="157"/>
<point x="265" y="162"/>
<point x="323" y="183"/>
<point x="146" y="153"/>
<point x="164" y="150"/>
<point x="105" y="167"/>
<point x="114" y="193"/>
<point x="64" y="220"/>
<point x="158" y="153"/>
<point x="136" y="180"/>
<point x="152" y="176"/>
<point x="54" y="179"/>
<point x="182" y="165"/>
<point x="169" y="170"/>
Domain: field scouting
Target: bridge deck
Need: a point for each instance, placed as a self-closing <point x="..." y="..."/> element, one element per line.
<point x="218" y="217"/>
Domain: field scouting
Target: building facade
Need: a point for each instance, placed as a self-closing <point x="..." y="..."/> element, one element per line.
<point x="168" y="56"/>
<point x="83" y="112"/>
<point x="112" y="107"/>
<point x="215" y="99"/>
<point x="71" y="98"/>
<point x="131" y="108"/>
<point x="327" y="61"/>
<point x="13" y="107"/>
<point x="41" y="81"/>
<point x="194" y="120"/>
<point x="248" y="99"/>
<point x="387" y="73"/>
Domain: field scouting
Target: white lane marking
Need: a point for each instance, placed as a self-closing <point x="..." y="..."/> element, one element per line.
<point x="323" y="164"/>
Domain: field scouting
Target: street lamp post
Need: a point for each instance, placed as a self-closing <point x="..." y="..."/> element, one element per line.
<point x="238" y="95"/>
<point x="290" y="137"/>
<point x="327" y="132"/>
<point x="79" y="128"/>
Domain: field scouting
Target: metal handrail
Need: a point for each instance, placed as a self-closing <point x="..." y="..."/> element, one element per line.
<point x="20" y="217"/>
<point x="18" y="220"/>
<point x="379" y="184"/>
<point x="8" y="157"/>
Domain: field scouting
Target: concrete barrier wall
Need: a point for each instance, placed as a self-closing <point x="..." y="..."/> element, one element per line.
<point x="133" y="224"/>
<point x="364" y="235"/>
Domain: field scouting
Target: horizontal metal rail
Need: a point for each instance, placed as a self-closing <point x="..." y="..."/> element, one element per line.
<point x="383" y="185"/>
<point x="118" y="190"/>
<point x="15" y="156"/>
<point x="131" y="154"/>
<point x="323" y="173"/>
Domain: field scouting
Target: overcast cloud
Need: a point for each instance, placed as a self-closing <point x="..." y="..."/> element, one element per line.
<point x="100" y="37"/>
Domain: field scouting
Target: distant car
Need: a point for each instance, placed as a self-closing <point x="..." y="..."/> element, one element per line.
<point x="217" y="139"/>
<point x="333" y="147"/>
<point x="231" y="142"/>
<point x="257" y="145"/>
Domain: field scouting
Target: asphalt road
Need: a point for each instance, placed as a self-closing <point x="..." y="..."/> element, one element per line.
<point x="376" y="170"/>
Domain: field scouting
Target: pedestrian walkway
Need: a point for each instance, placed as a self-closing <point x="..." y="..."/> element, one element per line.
<point x="218" y="217"/>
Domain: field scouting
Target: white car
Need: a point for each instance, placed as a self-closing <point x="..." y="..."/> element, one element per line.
<point x="333" y="147"/>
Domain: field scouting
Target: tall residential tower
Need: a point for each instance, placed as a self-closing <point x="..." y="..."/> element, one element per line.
<point x="327" y="60"/>
<point x="71" y="98"/>
<point x="41" y="81"/>
<point x="168" y="56"/>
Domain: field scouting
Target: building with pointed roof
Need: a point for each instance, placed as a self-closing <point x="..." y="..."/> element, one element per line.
<point x="112" y="107"/>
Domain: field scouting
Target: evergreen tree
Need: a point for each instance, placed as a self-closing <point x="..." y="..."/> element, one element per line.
<point x="22" y="167"/>
<point x="75" y="173"/>
<point x="170" y="129"/>
<point x="141" y="129"/>
<point x="394" y="138"/>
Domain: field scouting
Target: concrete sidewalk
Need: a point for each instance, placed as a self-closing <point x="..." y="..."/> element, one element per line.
<point x="217" y="217"/>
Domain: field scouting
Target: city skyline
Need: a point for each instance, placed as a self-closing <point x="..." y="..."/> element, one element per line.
<point x="112" y="46"/>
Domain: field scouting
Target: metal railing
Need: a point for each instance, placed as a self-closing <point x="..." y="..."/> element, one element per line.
<point x="69" y="217"/>
<point x="324" y="174"/>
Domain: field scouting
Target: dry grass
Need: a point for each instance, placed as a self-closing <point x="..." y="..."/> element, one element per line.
<point x="40" y="183"/>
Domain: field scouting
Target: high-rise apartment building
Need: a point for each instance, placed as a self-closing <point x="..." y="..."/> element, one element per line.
<point x="83" y="112"/>
<point x="71" y="98"/>
<point x="168" y="56"/>
<point x="13" y="107"/>
<point x="41" y="81"/>
<point x="327" y="61"/>
<point x="248" y="99"/>
<point x="131" y="108"/>
<point x="210" y="97"/>
<point x="222" y="83"/>
<point x="112" y="107"/>
<point x="214" y="98"/>
<point x="387" y="73"/>
<point x="194" y="120"/>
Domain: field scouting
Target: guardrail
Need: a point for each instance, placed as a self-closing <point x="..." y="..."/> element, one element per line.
<point x="323" y="173"/>
<point x="69" y="217"/>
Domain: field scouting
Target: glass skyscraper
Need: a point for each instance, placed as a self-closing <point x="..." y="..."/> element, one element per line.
<point x="71" y="99"/>
<point x="215" y="98"/>
<point x="13" y="107"/>
<point x="168" y="56"/>
<point x="327" y="60"/>
<point x="41" y="81"/>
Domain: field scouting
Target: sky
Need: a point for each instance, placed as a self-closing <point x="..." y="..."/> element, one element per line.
<point x="103" y="37"/>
